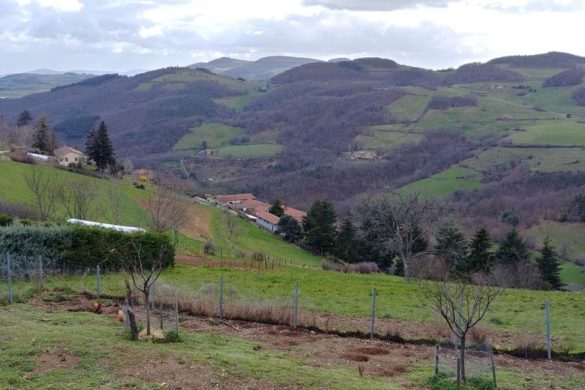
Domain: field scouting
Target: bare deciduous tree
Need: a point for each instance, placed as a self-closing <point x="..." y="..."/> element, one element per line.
<point x="462" y="306"/>
<point x="144" y="268"/>
<point x="167" y="211"/>
<point x="407" y="220"/>
<point x="44" y="187"/>
<point x="114" y="195"/>
<point x="79" y="198"/>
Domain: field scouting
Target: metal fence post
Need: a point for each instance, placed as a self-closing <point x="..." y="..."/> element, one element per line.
<point x="177" y="314"/>
<point x="437" y="359"/>
<point x="548" y="339"/>
<point x="296" y="303"/>
<point x="41" y="272"/>
<point x="221" y="298"/>
<point x="9" y="274"/>
<point x="97" y="282"/>
<point x="373" y="315"/>
<point x="493" y="366"/>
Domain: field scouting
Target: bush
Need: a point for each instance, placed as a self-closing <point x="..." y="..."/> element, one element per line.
<point x="5" y="219"/>
<point x="172" y="336"/>
<point x="74" y="247"/>
<point x="209" y="248"/>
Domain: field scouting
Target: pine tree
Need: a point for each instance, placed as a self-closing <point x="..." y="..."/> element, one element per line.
<point x="549" y="266"/>
<point x="289" y="228"/>
<point x="451" y="247"/>
<point x="24" y="118"/>
<point x="512" y="249"/>
<point x="480" y="257"/>
<point x="276" y="208"/>
<point x="346" y="243"/>
<point x="319" y="227"/>
<point x="43" y="137"/>
<point x="99" y="147"/>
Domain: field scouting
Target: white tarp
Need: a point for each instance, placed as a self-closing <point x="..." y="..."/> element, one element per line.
<point x="126" y="229"/>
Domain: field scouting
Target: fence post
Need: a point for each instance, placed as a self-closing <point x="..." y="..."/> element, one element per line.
<point x="373" y="315"/>
<point x="296" y="303"/>
<point x="177" y="314"/>
<point x="9" y="274"/>
<point x="458" y="373"/>
<point x="493" y="366"/>
<point x="221" y="298"/>
<point x="97" y="282"/>
<point x="437" y="359"/>
<point x="41" y="272"/>
<point x="548" y="340"/>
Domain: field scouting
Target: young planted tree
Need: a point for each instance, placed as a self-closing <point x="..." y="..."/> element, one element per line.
<point x="549" y="266"/>
<point x="114" y="196"/>
<point x="45" y="190"/>
<point x="408" y="221"/>
<point x="289" y="229"/>
<point x="44" y="139"/>
<point x="99" y="148"/>
<point x="79" y="198"/>
<point x="319" y="227"/>
<point x="144" y="264"/>
<point x="166" y="211"/>
<point x="462" y="306"/>
<point x="276" y="208"/>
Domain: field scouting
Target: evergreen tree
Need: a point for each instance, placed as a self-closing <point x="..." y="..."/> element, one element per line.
<point x="549" y="266"/>
<point x="24" y="118"/>
<point x="99" y="147"/>
<point x="289" y="228"/>
<point x="451" y="247"/>
<point x="346" y="242"/>
<point x="480" y="257"/>
<point x="276" y="208"/>
<point x="512" y="249"/>
<point x="43" y="138"/>
<point x="319" y="227"/>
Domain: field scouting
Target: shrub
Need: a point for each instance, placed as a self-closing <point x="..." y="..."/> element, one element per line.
<point x="5" y="219"/>
<point x="74" y="247"/>
<point x="172" y="336"/>
<point x="209" y="248"/>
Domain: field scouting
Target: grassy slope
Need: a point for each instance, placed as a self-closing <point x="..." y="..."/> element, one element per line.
<point x="103" y="354"/>
<point x="445" y="183"/>
<point x="215" y="134"/>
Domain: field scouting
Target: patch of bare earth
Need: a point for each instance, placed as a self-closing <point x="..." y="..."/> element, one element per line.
<point x="198" y="223"/>
<point x="55" y="358"/>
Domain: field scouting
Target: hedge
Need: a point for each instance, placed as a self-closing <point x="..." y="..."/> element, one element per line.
<point x="74" y="247"/>
<point x="5" y="219"/>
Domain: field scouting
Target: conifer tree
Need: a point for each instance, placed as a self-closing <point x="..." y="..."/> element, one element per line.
<point x="346" y="242"/>
<point x="512" y="249"/>
<point x="319" y="227"/>
<point x="480" y="257"/>
<point x="289" y="228"/>
<point x="24" y="118"/>
<point x="549" y="266"/>
<point x="99" y="147"/>
<point x="43" y="139"/>
<point x="276" y="208"/>
<point x="451" y="247"/>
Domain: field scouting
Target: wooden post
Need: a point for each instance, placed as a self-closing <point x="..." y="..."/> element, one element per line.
<point x="493" y="366"/>
<point x="458" y="373"/>
<point x="296" y="304"/>
<point x="221" y="298"/>
<point x="41" y="273"/>
<point x="437" y="359"/>
<point x="373" y="314"/>
<point x="548" y="339"/>
<point x="9" y="274"/>
<point x="97" y="282"/>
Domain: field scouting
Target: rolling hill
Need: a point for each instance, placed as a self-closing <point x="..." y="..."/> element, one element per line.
<point x="22" y="84"/>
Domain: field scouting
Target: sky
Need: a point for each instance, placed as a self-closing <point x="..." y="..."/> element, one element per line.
<point x="123" y="35"/>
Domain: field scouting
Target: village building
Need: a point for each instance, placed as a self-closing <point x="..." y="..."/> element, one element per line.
<point x="67" y="155"/>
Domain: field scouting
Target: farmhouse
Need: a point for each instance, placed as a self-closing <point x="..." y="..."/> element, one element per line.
<point x="266" y="220"/>
<point x="226" y="200"/>
<point x="66" y="155"/>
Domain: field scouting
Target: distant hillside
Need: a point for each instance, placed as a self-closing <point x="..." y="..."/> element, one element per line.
<point x="547" y="60"/>
<point x="261" y="69"/>
<point x="22" y="84"/>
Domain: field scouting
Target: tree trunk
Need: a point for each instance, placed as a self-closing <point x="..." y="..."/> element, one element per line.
<point x="129" y="313"/>
<point x="462" y="352"/>
<point x="147" y="307"/>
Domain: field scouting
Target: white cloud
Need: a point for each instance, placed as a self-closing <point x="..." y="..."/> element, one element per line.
<point x="62" y="5"/>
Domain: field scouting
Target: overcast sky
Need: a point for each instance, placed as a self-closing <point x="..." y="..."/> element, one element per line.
<point x="121" y="35"/>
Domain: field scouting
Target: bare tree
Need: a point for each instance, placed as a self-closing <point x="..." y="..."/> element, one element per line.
<point x="3" y="133"/>
<point x="79" y="198"/>
<point x="44" y="187"/>
<point x="144" y="268"/>
<point x="114" y="195"/>
<point x="405" y="220"/>
<point x="167" y="211"/>
<point x="23" y="136"/>
<point x="462" y="306"/>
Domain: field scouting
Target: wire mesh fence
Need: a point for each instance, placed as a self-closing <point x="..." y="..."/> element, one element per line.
<point x="479" y="362"/>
